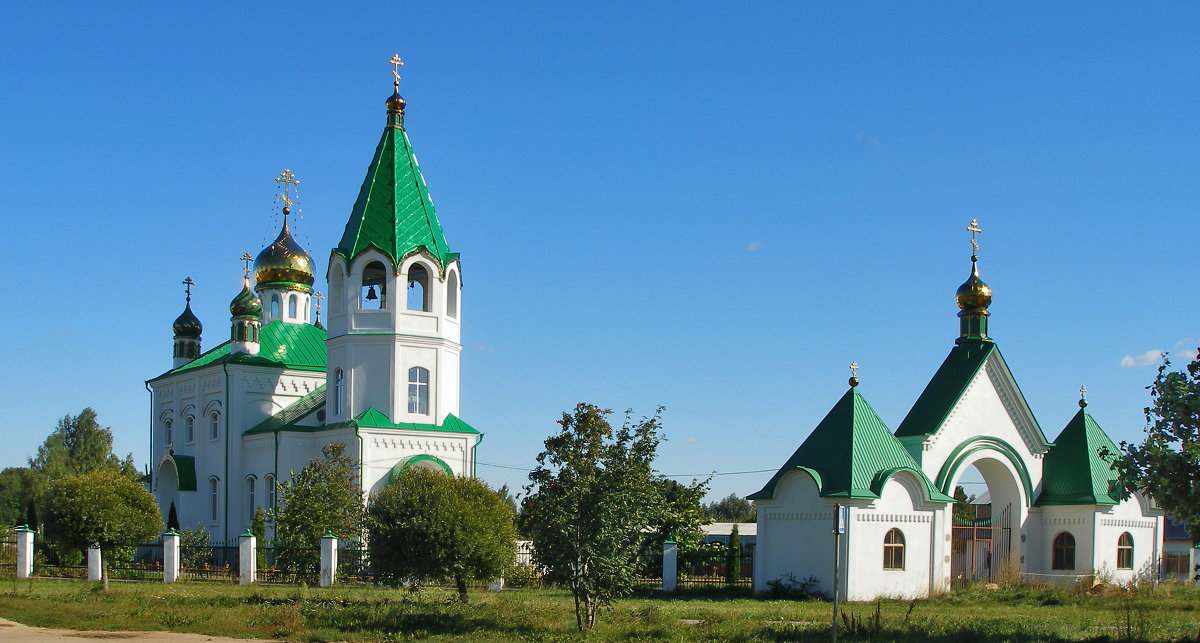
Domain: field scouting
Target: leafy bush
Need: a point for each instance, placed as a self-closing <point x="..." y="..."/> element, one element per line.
<point x="790" y="587"/>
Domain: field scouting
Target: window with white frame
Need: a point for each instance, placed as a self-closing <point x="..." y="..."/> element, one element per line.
<point x="189" y="424"/>
<point x="339" y="391"/>
<point x="250" y="489"/>
<point x="214" y="425"/>
<point x="418" y="390"/>
<point x="169" y="434"/>
<point x="269" y="484"/>
<point x="212" y="499"/>
<point x="1125" y="551"/>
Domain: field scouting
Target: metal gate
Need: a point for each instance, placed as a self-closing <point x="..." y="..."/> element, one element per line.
<point x="980" y="549"/>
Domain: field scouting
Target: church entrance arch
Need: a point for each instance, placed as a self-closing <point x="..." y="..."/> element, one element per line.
<point x="982" y="544"/>
<point x="423" y="461"/>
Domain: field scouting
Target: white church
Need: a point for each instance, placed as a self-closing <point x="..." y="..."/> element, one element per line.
<point x="383" y="377"/>
<point x="1055" y="515"/>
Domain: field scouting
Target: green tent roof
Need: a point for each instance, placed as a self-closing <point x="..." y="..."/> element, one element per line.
<point x="394" y="212"/>
<point x="945" y="389"/>
<point x="287" y="417"/>
<point x="374" y="419"/>
<point x="851" y="454"/>
<point x="185" y="471"/>
<point x="1074" y="473"/>
<point x="298" y="346"/>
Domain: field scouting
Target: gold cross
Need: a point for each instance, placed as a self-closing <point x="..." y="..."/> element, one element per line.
<point x="974" y="229"/>
<point x="1083" y="392"/>
<point x="318" y="297"/>
<point x="853" y="369"/>
<point x="397" y="63"/>
<point x="187" y="284"/>
<point x="287" y="179"/>
<point x="247" y="258"/>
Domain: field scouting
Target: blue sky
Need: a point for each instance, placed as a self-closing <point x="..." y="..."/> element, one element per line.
<point x="715" y="207"/>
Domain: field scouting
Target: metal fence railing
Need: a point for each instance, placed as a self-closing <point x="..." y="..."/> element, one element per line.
<point x="211" y="562"/>
<point x="143" y="561"/>
<point x="53" y="560"/>
<point x="8" y="557"/>
<point x="715" y="566"/>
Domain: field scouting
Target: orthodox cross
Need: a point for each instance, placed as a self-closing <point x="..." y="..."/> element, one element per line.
<point x="288" y="180"/>
<point x="974" y="229"/>
<point x="853" y="369"/>
<point x="317" y="296"/>
<point x="247" y="258"/>
<point x="1083" y="392"/>
<point x="397" y="64"/>
<point x="187" y="284"/>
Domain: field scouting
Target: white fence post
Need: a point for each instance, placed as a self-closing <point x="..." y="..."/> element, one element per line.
<point x="24" y="551"/>
<point x="670" y="552"/>
<point x="94" y="563"/>
<point x="171" y="556"/>
<point x="246" y="558"/>
<point x="329" y="552"/>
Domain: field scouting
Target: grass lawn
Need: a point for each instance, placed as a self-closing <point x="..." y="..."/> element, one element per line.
<point x="1163" y="613"/>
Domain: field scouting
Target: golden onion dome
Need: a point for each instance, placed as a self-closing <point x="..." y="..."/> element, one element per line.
<point x="187" y="325"/>
<point x="395" y="104"/>
<point x="246" y="303"/>
<point x="974" y="295"/>
<point x="284" y="263"/>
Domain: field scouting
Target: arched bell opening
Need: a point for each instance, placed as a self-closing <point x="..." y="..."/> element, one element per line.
<point x="418" y="288"/>
<point x="374" y="287"/>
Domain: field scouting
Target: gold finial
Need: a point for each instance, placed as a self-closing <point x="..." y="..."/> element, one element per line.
<point x="853" y="374"/>
<point x="1082" y="396"/>
<point x="317" y="297"/>
<point x="288" y="180"/>
<point x="396" y="64"/>
<point x="187" y="286"/>
<point x="974" y="229"/>
<point x="247" y="258"/>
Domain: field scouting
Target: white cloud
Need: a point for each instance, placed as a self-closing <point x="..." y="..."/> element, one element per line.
<point x="691" y="439"/>
<point x="1148" y="358"/>
<point x="483" y="346"/>
<point x="754" y="246"/>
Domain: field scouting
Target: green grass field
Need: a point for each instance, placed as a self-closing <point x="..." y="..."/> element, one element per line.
<point x="1163" y="613"/>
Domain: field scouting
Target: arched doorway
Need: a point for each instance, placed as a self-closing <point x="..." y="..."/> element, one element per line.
<point x="986" y="545"/>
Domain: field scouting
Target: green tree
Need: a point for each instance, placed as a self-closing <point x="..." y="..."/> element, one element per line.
<point x="1166" y="465"/>
<point x="731" y="508"/>
<point x="964" y="511"/>
<point x="102" y="508"/>
<point x="733" y="568"/>
<point x="78" y="445"/>
<point x="173" y="518"/>
<point x="258" y="527"/>
<point x="17" y="488"/>
<point x="325" y="495"/>
<point x="428" y="526"/>
<point x="590" y="498"/>
<point x="678" y="515"/>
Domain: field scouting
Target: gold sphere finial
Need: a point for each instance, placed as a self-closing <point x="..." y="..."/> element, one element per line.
<point x="974" y="295"/>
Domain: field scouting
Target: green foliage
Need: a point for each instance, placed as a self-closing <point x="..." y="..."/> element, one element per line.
<point x="964" y="511"/>
<point x="103" y="508"/>
<point x="428" y="526"/>
<point x="1166" y="465"/>
<point x="80" y="445"/>
<point x="733" y="568"/>
<point x="325" y="495"/>
<point x="590" y="498"/>
<point x="17" y="488"/>
<point x="731" y="508"/>
<point x="679" y="514"/>
<point x="193" y="543"/>
<point x="258" y="527"/>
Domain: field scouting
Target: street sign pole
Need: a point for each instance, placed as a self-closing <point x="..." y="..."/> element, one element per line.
<point x="839" y="528"/>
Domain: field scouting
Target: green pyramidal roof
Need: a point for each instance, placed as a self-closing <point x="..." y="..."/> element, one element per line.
<point x="393" y="212"/>
<point x="945" y="389"/>
<point x="1074" y="471"/>
<point x="851" y="454"/>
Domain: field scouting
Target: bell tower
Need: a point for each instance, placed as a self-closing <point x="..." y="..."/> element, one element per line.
<point x="393" y="311"/>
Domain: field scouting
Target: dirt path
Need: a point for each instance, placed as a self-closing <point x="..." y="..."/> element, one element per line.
<point x="10" y="631"/>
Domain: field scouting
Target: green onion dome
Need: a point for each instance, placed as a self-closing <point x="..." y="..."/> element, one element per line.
<point x="187" y="325"/>
<point x="284" y="263"/>
<point x="246" y="303"/>
<point x="974" y="296"/>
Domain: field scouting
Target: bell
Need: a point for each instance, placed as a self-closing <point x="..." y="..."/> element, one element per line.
<point x="371" y="296"/>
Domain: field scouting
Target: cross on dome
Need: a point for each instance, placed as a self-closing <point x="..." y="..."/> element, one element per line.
<point x="974" y="229"/>
<point x="287" y="179"/>
<point x="187" y="286"/>
<point x="397" y="64"/>
<point x="247" y="259"/>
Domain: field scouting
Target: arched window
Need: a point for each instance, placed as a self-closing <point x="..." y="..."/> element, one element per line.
<point x="214" y="425"/>
<point x="292" y="306"/>
<point x="418" y="390"/>
<point x="1125" y="551"/>
<point x="212" y="499"/>
<point x="418" y="288"/>
<point x="250" y="484"/>
<point x="275" y="306"/>
<point x="269" y="483"/>
<point x="374" y="287"/>
<point x="452" y="295"/>
<point x="339" y="392"/>
<point x="170" y="434"/>
<point x="893" y="549"/>
<point x="1064" y="552"/>
<point x="189" y="424"/>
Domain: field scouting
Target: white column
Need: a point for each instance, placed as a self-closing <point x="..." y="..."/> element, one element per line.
<point x="670" y="552"/>
<point x="246" y="559"/>
<point x="93" y="556"/>
<point x="329" y="544"/>
<point x="24" y="551"/>
<point x="170" y="556"/>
